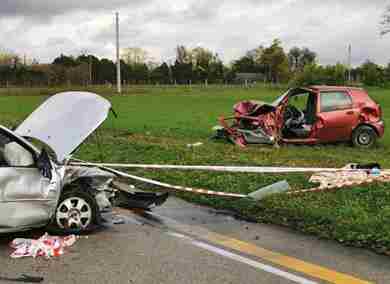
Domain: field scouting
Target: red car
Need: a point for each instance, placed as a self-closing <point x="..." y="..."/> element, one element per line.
<point x="316" y="114"/>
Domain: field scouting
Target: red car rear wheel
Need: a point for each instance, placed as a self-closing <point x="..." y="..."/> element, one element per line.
<point x="364" y="136"/>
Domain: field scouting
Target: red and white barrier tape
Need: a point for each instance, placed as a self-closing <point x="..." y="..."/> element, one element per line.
<point x="176" y="187"/>
<point x="385" y="177"/>
<point x="235" y="169"/>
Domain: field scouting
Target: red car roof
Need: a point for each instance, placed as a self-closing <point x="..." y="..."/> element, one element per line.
<point x="324" y="88"/>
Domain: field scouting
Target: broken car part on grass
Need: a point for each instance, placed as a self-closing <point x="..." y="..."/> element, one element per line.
<point x="38" y="189"/>
<point x="312" y="115"/>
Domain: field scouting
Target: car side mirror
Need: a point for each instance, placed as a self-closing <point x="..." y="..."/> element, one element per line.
<point x="44" y="164"/>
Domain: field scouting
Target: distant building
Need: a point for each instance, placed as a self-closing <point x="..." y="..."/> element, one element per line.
<point x="249" y="77"/>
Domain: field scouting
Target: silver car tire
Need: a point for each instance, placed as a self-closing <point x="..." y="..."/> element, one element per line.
<point x="75" y="212"/>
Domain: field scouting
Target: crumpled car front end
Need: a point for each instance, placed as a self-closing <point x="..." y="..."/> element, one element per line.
<point x="253" y="122"/>
<point x="108" y="192"/>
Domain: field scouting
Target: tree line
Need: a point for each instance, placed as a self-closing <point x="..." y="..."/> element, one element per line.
<point x="271" y="64"/>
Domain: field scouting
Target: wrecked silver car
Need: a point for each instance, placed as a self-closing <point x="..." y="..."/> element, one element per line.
<point x="39" y="189"/>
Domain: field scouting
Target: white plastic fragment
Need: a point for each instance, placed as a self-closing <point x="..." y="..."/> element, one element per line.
<point x="197" y="144"/>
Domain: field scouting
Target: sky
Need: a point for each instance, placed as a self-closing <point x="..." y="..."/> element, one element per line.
<point x="43" y="29"/>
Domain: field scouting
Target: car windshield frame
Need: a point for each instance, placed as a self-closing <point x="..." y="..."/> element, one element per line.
<point x="290" y="92"/>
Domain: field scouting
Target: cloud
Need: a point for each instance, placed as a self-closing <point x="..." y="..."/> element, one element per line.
<point x="45" y="29"/>
<point x="43" y="9"/>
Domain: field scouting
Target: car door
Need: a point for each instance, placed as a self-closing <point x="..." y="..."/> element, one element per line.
<point x="26" y="196"/>
<point x="336" y="116"/>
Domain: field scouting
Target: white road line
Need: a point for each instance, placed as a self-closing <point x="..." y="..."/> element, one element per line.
<point x="239" y="258"/>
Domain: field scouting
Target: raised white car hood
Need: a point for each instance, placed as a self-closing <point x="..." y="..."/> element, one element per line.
<point x="65" y="120"/>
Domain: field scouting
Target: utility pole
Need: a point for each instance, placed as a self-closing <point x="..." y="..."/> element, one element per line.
<point x="349" y="62"/>
<point x="118" y="62"/>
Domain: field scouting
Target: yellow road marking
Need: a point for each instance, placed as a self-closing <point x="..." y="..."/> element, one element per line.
<point x="312" y="270"/>
<point x="292" y="263"/>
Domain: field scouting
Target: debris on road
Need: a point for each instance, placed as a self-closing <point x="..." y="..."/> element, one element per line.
<point x="118" y="220"/>
<point x="46" y="246"/>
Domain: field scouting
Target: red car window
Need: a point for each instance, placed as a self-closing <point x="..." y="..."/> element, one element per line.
<point x="331" y="101"/>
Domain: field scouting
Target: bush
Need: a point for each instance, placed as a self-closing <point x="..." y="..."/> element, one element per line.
<point x="314" y="74"/>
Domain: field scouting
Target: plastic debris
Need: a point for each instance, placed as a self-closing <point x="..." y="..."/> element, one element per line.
<point x="197" y="144"/>
<point x="118" y="220"/>
<point x="376" y="172"/>
<point x="278" y="187"/>
<point x="46" y="246"/>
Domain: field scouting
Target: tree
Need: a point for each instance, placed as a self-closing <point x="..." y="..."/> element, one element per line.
<point x="307" y="57"/>
<point x="339" y="74"/>
<point x="183" y="55"/>
<point x="161" y="74"/>
<point x="216" y="69"/>
<point x="245" y="64"/>
<point x="66" y="61"/>
<point x="182" y="72"/>
<point x="134" y="65"/>
<point x="92" y="62"/>
<point x="386" y="21"/>
<point x="294" y="56"/>
<point x="275" y="61"/>
<point x="387" y="74"/>
<point x="372" y="74"/>
<point x="183" y="67"/>
<point x="134" y="55"/>
<point x="140" y="73"/>
<point x="256" y="54"/>
<point x="201" y="59"/>
<point x="106" y="71"/>
<point x="311" y="74"/>
<point x="299" y="58"/>
<point x="251" y="62"/>
<point x="78" y="75"/>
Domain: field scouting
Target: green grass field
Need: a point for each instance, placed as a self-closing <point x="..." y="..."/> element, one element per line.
<point x="156" y="123"/>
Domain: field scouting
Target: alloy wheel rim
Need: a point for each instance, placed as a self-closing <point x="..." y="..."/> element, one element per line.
<point x="74" y="213"/>
<point x="364" y="139"/>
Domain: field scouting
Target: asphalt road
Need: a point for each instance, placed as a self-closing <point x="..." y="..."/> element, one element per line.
<point x="184" y="243"/>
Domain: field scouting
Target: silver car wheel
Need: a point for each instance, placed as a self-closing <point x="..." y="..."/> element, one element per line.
<point x="364" y="138"/>
<point x="74" y="213"/>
